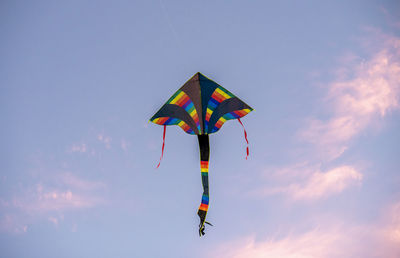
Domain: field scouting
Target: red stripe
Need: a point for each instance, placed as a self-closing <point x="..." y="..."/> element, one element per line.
<point x="218" y="97"/>
<point x="245" y="136"/>
<point x="240" y="112"/>
<point x="219" y="124"/>
<point x="208" y="115"/>
<point x="163" y="143"/>
<point x="163" y="120"/>
<point x="183" y="100"/>
<point x="203" y="207"/>
<point x="196" y="118"/>
<point x="185" y="127"/>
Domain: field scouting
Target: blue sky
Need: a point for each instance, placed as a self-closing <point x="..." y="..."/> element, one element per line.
<point x="80" y="79"/>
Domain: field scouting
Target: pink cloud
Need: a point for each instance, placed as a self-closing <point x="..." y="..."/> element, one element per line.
<point x="363" y="93"/>
<point x="390" y="229"/>
<point x="316" y="243"/>
<point x="53" y="220"/>
<point x="78" y="148"/>
<point x="73" y="181"/>
<point x="43" y="200"/>
<point x="9" y="223"/>
<point x="309" y="184"/>
<point x="124" y="145"/>
<point x="68" y="194"/>
<point x="105" y="139"/>
<point x="329" y="239"/>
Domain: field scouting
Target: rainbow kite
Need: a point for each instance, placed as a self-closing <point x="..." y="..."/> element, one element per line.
<point x="200" y="107"/>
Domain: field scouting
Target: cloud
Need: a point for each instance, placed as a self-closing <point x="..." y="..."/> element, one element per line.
<point x="9" y="223"/>
<point x="303" y="182"/>
<point x="53" y="220"/>
<point x="67" y="193"/>
<point x="330" y="239"/>
<point x="363" y="92"/>
<point x="105" y="139"/>
<point x="124" y="145"/>
<point x="315" y="243"/>
<point x="78" y="148"/>
<point x="72" y="180"/>
<point x="390" y="230"/>
<point x="43" y="201"/>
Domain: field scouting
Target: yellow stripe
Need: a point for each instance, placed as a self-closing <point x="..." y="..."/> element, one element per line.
<point x="204" y="170"/>
<point x="177" y="98"/>
<point x="223" y="93"/>
<point x="193" y="112"/>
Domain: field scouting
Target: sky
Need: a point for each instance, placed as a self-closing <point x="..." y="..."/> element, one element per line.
<point x="79" y="81"/>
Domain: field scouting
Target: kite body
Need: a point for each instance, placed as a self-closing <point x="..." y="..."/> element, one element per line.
<point x="200" y="107"/>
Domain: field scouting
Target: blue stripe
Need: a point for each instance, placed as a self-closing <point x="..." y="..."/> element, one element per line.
<point x="204" y="199"/>
<point x="214" y="103"/>
<point x="188" y="106"/>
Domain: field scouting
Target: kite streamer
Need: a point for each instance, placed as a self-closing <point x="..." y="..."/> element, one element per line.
<point x="245" y="137"/>
<point x="162" y="148"/>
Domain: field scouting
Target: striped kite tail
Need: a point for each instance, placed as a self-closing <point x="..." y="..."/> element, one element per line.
<point x="204" y="156"/>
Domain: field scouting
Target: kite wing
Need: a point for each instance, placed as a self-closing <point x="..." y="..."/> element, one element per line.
<point x="200" y="106"/>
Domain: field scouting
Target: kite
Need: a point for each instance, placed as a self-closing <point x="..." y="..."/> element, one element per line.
<point x="200" y="107"/>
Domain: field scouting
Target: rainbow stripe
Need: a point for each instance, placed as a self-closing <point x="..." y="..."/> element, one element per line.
<point x="173" y="121"/>
<point x="218" y="96"/>
<point x="205" y="197"/>
<point x="232" y="115"/>
<point x="204" y="168"/>
<point x="181" y="99"/>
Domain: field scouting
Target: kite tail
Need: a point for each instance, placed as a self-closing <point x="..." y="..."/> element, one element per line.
<point x="204" y="156"/>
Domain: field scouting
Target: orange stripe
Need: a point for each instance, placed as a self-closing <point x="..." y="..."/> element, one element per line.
<point x="163" y="120"/>
<point x="241" y="112"/>
<point x="219" y="124"/>
<point x="218" y="97"/>
<point x="183" y="100"/>
<point x="196" y="118"/>
<point x="185" y="127"/>
<point x="203" y="207"/>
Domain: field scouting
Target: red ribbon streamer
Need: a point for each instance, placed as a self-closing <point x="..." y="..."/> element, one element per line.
<point x="163" y="143"/>
<point x="245" y="136"/>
